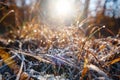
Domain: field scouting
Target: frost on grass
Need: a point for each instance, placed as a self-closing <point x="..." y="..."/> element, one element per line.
<point x="39" y="52"/>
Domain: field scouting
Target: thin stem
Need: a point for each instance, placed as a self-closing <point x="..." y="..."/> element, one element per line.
<point x="6" y="15"/>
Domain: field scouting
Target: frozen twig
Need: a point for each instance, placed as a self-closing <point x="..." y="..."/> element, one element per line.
<point x="20" y="71"/>
<point x="95" y="68"/>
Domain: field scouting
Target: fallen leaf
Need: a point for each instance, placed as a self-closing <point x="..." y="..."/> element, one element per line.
<point x="7" y="59"/>
<point x="114" y="61"/>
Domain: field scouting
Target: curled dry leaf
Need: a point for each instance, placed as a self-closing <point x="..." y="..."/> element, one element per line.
<point x="7" y="59"/>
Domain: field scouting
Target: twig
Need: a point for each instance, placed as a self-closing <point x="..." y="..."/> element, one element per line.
<point x="28" y="54"/>
<point x="95" y="68"/>
<point x="20" y="71"/>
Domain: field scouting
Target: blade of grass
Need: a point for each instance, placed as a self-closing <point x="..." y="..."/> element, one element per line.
<point x="6" y="15"/>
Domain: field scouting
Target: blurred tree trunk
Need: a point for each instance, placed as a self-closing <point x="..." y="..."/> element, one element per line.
<point x="85" y="11"/>
<point x="112" y="24"/>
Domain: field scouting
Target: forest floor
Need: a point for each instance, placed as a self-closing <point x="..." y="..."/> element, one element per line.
<point x="43" y="54"/>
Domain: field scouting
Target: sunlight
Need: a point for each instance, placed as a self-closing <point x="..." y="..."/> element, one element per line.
<point x="61" y="11"/>
<point x="63" y="7"/>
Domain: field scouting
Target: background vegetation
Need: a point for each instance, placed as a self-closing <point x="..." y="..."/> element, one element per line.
<point x="105" y="12"/>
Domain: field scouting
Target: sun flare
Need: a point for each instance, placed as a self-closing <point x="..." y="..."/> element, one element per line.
<point x="63" y="7"/>
<point x="60" y="11"/>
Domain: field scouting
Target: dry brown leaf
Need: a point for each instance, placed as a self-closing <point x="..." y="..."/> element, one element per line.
<point x="8" y="60"/>
<point x="114" y="61"/>
<point x="84" y="71"/>
<point x="24" y="76"/>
